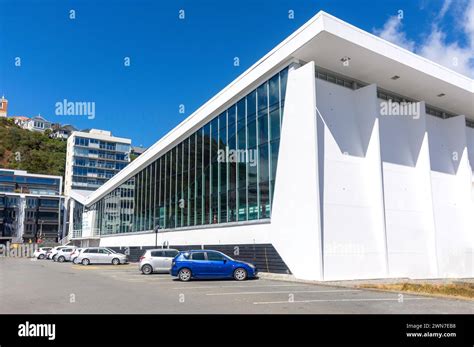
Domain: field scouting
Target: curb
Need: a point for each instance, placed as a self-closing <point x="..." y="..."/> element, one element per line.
<point x="356" y="285"/>
<point x="293" y="279"/>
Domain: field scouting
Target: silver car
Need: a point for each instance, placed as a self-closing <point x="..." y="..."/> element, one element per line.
<point x="64" y="254"/>
<point x="40" y="253"/>
<point x="75" y="254"/>
<point x="101" y="255"/>
<point x="52" y="253"/>
<point x="157" y="260"/>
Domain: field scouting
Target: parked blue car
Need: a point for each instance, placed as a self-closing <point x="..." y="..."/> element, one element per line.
<point x="210" y="264"/>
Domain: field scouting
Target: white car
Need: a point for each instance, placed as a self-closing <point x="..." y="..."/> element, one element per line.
<point x="157" y="260"/>
<point x="52" y="252"/>
<point x="40" y="253"/>
<point x="64" y="254"/>
<point x="76" y="254"/>
<point x="101" y="255"/>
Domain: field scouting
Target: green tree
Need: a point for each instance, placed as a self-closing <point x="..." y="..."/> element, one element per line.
<point x="32" y="151"/>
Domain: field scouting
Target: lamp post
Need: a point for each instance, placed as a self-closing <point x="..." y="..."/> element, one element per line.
<point x="156" y="230"/>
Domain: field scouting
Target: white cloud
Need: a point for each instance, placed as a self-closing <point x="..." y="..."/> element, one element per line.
<point x="450" y="55"/>
<point x="469" y="23"/>
<point x="392" y="32"/>
<point x="435" y="46"/>
<point x="445" y="8"/>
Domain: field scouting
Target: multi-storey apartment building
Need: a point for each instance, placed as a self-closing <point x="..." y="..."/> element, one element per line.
<point x="93" y="157"/>
<point x="31" y="207"/>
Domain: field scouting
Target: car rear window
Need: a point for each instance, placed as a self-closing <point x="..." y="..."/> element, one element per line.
<point x="198" y="256"/>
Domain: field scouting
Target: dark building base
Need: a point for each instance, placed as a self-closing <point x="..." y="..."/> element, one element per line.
<point x="264" y="256"/>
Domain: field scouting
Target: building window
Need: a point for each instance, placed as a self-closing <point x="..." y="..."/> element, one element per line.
<point x="224" y="172"/>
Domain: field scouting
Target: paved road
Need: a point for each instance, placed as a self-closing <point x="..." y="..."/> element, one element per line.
<point x="42" y="286"/>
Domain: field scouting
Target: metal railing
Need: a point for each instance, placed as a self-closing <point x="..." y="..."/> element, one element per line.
<point x="78" y="233"/>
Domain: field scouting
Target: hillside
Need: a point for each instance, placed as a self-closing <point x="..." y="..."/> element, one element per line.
<point x="32" y="151"/>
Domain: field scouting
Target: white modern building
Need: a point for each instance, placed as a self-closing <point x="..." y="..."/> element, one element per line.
<point x="93" y="157"/>
<point x="338" y="155"/>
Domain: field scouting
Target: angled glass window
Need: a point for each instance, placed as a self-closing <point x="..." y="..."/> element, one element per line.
<point x="224" y="172"/>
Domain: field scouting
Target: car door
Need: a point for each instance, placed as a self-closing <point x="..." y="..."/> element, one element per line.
<point x="217" y="264"/>
<point x="90" y="254"/>
<point x="199" y="264"/>
<point x="66" y="252"/>
<point x="168" y="256"/>
<point x="103" y="256"/>
<point x="156" y="259"/>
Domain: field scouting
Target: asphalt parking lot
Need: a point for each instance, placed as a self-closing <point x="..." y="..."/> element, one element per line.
<point x="42" y="286"/>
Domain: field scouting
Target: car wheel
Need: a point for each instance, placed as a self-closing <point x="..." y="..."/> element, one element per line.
<point x="115" y="261"/>
<point x="74" y="261"/>
<point x="61" y="259"/>
<point x="184" y="275"/>
<point x="85" y="261"/>
<point x="240" y="274"/>
<point x="41" y="256"/>
<point x="147" y="269"/>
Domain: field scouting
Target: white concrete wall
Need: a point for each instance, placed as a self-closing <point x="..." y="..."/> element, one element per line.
<point x="470" y="152"/>
<point x="407" y="192"/>
<point x="470" y="146"/>
<point x="350" y="179"/>
<point x="452" y="204"/>
<point x="295" y="229"/>
<point x="243" y="234"/>
<point x="71" y="204"/>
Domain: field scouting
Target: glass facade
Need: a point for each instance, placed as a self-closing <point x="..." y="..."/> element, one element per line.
<point x="18" y="182"/>
<point x="40" y="216"/>
<point x="224" y="172"/>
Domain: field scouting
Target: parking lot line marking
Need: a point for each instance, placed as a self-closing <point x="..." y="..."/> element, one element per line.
<point x="287" y="291"/>
<point x="107" y="267"/>
<point x="332" y="300"/>
<point x="143" y="280"/>
<point x="80" y="267"/>
<point x="249" y="286"/>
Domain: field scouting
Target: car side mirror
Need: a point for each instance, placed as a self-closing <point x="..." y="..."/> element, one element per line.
<point x="225" y="261"/>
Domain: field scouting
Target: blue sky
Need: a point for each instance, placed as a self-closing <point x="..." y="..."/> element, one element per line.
<point x="175" y="61"/>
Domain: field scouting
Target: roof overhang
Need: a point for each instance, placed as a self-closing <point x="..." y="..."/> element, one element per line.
<point x="325" y="39"/>
<point x="80" y="195"/>
<point x="374" y="60"/>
